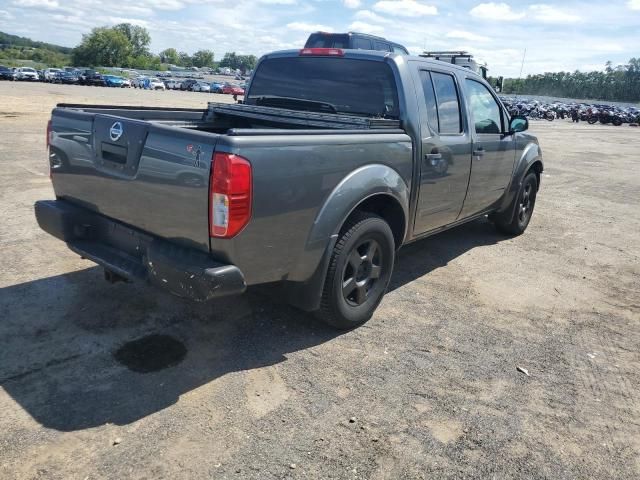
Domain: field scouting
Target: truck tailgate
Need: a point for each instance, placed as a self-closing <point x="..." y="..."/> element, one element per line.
<point x="147" y="175"/>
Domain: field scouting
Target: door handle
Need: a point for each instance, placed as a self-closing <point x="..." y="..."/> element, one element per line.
<point x="478" y="152"/>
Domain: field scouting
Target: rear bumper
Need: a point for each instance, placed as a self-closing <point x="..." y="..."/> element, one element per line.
<point x="133" y="254"/>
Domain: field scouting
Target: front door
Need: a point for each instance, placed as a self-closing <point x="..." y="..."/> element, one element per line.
<point x="445" y="151"/>
<point x="493" y="149"/>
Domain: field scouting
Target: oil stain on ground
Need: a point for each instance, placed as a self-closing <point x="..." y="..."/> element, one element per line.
<point x="151" y="353"/>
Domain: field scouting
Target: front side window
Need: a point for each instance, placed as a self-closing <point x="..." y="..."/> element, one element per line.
<point x="485" y="111"/>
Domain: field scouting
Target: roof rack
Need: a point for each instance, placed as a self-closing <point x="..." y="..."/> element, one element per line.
<point x="460" y="53"/>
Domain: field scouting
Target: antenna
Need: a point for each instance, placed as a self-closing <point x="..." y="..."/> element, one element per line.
<point x="521" y="68"/>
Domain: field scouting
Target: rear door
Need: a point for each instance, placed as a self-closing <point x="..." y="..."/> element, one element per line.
<point x="445" y="149"/>
<point x="493" y="154"/>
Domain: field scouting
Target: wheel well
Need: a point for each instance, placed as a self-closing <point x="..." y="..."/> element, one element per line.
<point x="391" y="212"/>
<point x="537" y="167"/>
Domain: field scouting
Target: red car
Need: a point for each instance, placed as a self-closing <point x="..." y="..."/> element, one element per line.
<point x="232" y="89"/>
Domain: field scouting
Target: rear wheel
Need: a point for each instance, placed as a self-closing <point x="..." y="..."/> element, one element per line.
<point x="359" y="271"/>
<point x="524" y="203"/>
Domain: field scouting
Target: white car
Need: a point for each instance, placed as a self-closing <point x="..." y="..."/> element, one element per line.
<point x="173" y="84"/>
<point x="201" y="87"/>
<point x="27" y="73"/>
<point x="156" y="84"/>
<point x="138" y="82"/>
<point x="50" y="73"/>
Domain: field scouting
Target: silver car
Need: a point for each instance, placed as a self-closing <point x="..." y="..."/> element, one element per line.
<point x="201" y="87"/>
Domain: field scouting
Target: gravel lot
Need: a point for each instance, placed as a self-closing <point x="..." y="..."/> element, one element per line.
<point x="256" y="389"/>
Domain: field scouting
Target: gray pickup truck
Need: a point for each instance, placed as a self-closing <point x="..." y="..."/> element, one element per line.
<point x="333" y="161"/>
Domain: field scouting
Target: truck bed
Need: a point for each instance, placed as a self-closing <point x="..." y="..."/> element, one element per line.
<point x="156" y="175"/>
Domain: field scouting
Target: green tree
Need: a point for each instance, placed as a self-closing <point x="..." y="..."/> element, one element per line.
<point x="184" y="59"/>
<point x="202" y="58"/>
<point x="247" y="62"/>
<point x="617" y="83"/>
<point x="138" y="37"/>
<point x="104" y="46"/>
<point x="170" y="55"/>
<point x="242" y="62"/>
<point x="229" y="60"/>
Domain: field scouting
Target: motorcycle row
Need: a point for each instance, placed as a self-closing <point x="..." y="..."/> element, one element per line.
<point x="576" y="112"/>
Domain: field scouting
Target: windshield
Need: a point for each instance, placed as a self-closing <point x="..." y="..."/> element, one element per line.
<point x="359" y="87"/>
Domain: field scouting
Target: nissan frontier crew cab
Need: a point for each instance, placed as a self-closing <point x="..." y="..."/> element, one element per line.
<point x="334" y="160"/>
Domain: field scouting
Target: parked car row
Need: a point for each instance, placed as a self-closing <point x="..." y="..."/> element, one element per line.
<point x="71" y="76"/>
<point x="193" y="85"/>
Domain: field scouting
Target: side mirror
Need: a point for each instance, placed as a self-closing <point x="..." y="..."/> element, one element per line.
<point x="518" y="124"/>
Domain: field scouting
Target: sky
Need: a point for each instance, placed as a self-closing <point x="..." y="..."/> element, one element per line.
<point x="557" y="35"/>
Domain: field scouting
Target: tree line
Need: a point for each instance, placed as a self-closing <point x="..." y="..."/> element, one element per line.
<point x="13" y="47"/>
<point x="615" y="83"/>
<point x="127" y="45"/>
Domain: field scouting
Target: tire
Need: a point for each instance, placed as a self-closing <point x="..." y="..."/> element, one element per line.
<point x="616" y="121"/>
<point x="359" y="271"/>
<point x="592" y="120"/>
<point x="525" y="202"/>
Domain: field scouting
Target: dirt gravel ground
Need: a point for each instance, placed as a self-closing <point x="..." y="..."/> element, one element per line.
<point x="255" y="389"/>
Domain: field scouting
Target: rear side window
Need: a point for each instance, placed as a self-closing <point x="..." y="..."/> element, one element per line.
<point x="448" y="103"/>
<point x="400" y="50"/>
<point x="385" y="47"/>
<point x="361" y="43"/>
<point x="442" y="101"/>
<point x="430" y="100"/>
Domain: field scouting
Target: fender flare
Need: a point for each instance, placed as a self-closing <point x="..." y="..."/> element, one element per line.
<point x="530" y="155"/>
<point x="355" y="188"/>
<point x="305" y="283"/>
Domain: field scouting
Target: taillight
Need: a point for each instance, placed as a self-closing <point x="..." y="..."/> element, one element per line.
<point x="322" y="52"/>
<point x="229" y="195"/>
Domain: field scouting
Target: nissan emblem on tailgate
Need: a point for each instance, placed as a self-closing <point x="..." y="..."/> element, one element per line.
<point x="116" y="131"/>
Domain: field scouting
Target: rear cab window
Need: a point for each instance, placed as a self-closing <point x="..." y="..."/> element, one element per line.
<point x="346" y="85"/>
